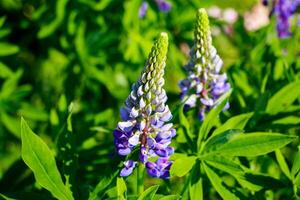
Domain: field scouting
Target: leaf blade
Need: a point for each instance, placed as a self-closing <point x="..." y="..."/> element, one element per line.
<point x="39" y="158"/>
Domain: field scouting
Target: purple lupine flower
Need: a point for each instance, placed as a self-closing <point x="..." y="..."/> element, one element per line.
<point x="159" y="169"/>
<point x="204" y="84"/>
<point x="284" y="9"/>
<point x="145" y="115"/>
<point x="143" y="9"/>
<point x="163" y="5"/>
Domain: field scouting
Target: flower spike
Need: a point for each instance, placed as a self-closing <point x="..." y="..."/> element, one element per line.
<point x="144" y="117"/>
<point x="204" y="84"/>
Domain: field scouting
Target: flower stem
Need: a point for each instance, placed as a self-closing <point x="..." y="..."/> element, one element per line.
<point x="140" y="179"/>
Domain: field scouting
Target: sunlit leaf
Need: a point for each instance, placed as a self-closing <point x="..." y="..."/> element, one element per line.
<point x="39" y="158"/>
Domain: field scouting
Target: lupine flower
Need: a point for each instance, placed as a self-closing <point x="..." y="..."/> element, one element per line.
<point x="284" y="10"/>
<point x="144" y="118"/>
<point x="163" y="6"/>
<point x="143" y="9"/>
<point x="204" y="84"/>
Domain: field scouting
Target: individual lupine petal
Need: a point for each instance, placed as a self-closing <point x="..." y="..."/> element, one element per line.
<point x="143" y="9"/>
<point x="159" y="169"/>
<point x="129" y="165"/>
<point x="163" y="5"/>
<point x="134" y="140"/>
<point x="126" y="126"/>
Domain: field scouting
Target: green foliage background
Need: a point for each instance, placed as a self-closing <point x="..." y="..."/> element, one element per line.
<point x="82" y="56"/>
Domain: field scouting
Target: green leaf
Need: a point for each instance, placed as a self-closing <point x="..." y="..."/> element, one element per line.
<point x="121" y="188"/>
<point x="185" y="123"/>
<point x="236" y="122"/>
<point x="5" y="71"/>
<point x="218" y="140"/>
<point x="217" y="183"/>
<point x="225" y="164"/>
<point x="149" y="193"/>
<point x="208" y="122"/>
<point x="182" y="165"/>
<point x="171" y="197"/>
<point x="195" y="185"/>
<point x="48" y="29"/>
<point x="282" y="163"/>
<point x="102" y="186"/>
<point x="296" y="163"/>
<point x="253" y="144"/>
<point x="2" y="196"/>
<point x="284" y="98"/>
<point x="7" y="49"/>
<point x="39" y="158"/>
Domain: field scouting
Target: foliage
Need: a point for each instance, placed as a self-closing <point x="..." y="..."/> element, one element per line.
<point x="66" y="68"/>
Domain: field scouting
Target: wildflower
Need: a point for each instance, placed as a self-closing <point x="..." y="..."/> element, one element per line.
<point x="144" y="117"/>
<point x="204" y="84"/>
<point x="143" y="9"/>
<point x="284" y="10"/>
<point x="163" y="6"/>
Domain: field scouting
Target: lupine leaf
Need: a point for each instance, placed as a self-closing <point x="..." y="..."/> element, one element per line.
<point x="215" y="141"/>
<point x="2" y="196"/>
<point x="48" y="29"/>
<point x="171" y="197"/>
<point x="7" y="49"/>
<point x="253" y="144"/>
<point x="182" y="165"/>
<point x="149" y="193"/>
<point x="282" y="163"/>
<point x="208" y="122"/>
<point x="102" y="186"/>
<point x="284" y="98"/>
<point x="121" y="188"/>
<point x="40" y="160"/>
<point x="225" y="164"/>
<point x="217" y="183"/>
<point x="296" y="164"/>
<point x="235" y="122"/>
<point x="195" y="185"/>
<point x="185" y="123"/>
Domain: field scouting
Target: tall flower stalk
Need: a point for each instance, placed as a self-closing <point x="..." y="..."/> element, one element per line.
<point x="144" y="126"/>
<point x="204" y="83"/>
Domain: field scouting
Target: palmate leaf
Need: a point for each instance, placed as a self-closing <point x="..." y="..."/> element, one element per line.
<point x="253" y="144"/>
<point x="149" y="193"/>
<point x="39" y="158"/>
<point x="217" y="183"/>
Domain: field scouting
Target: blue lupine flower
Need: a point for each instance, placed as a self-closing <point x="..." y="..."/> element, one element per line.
<point x="163" y="6"/>
<point x="204" y="84"/>
<point x="145" y="115"/>
<point x="284" y="9"/>
<point x="143" y="9"/>
<point x="159" y="169"/>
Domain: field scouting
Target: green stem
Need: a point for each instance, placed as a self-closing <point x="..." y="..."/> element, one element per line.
<point x="140" y="179"/>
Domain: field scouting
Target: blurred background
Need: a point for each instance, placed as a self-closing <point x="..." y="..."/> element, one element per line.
<point x="85" y="54"/>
